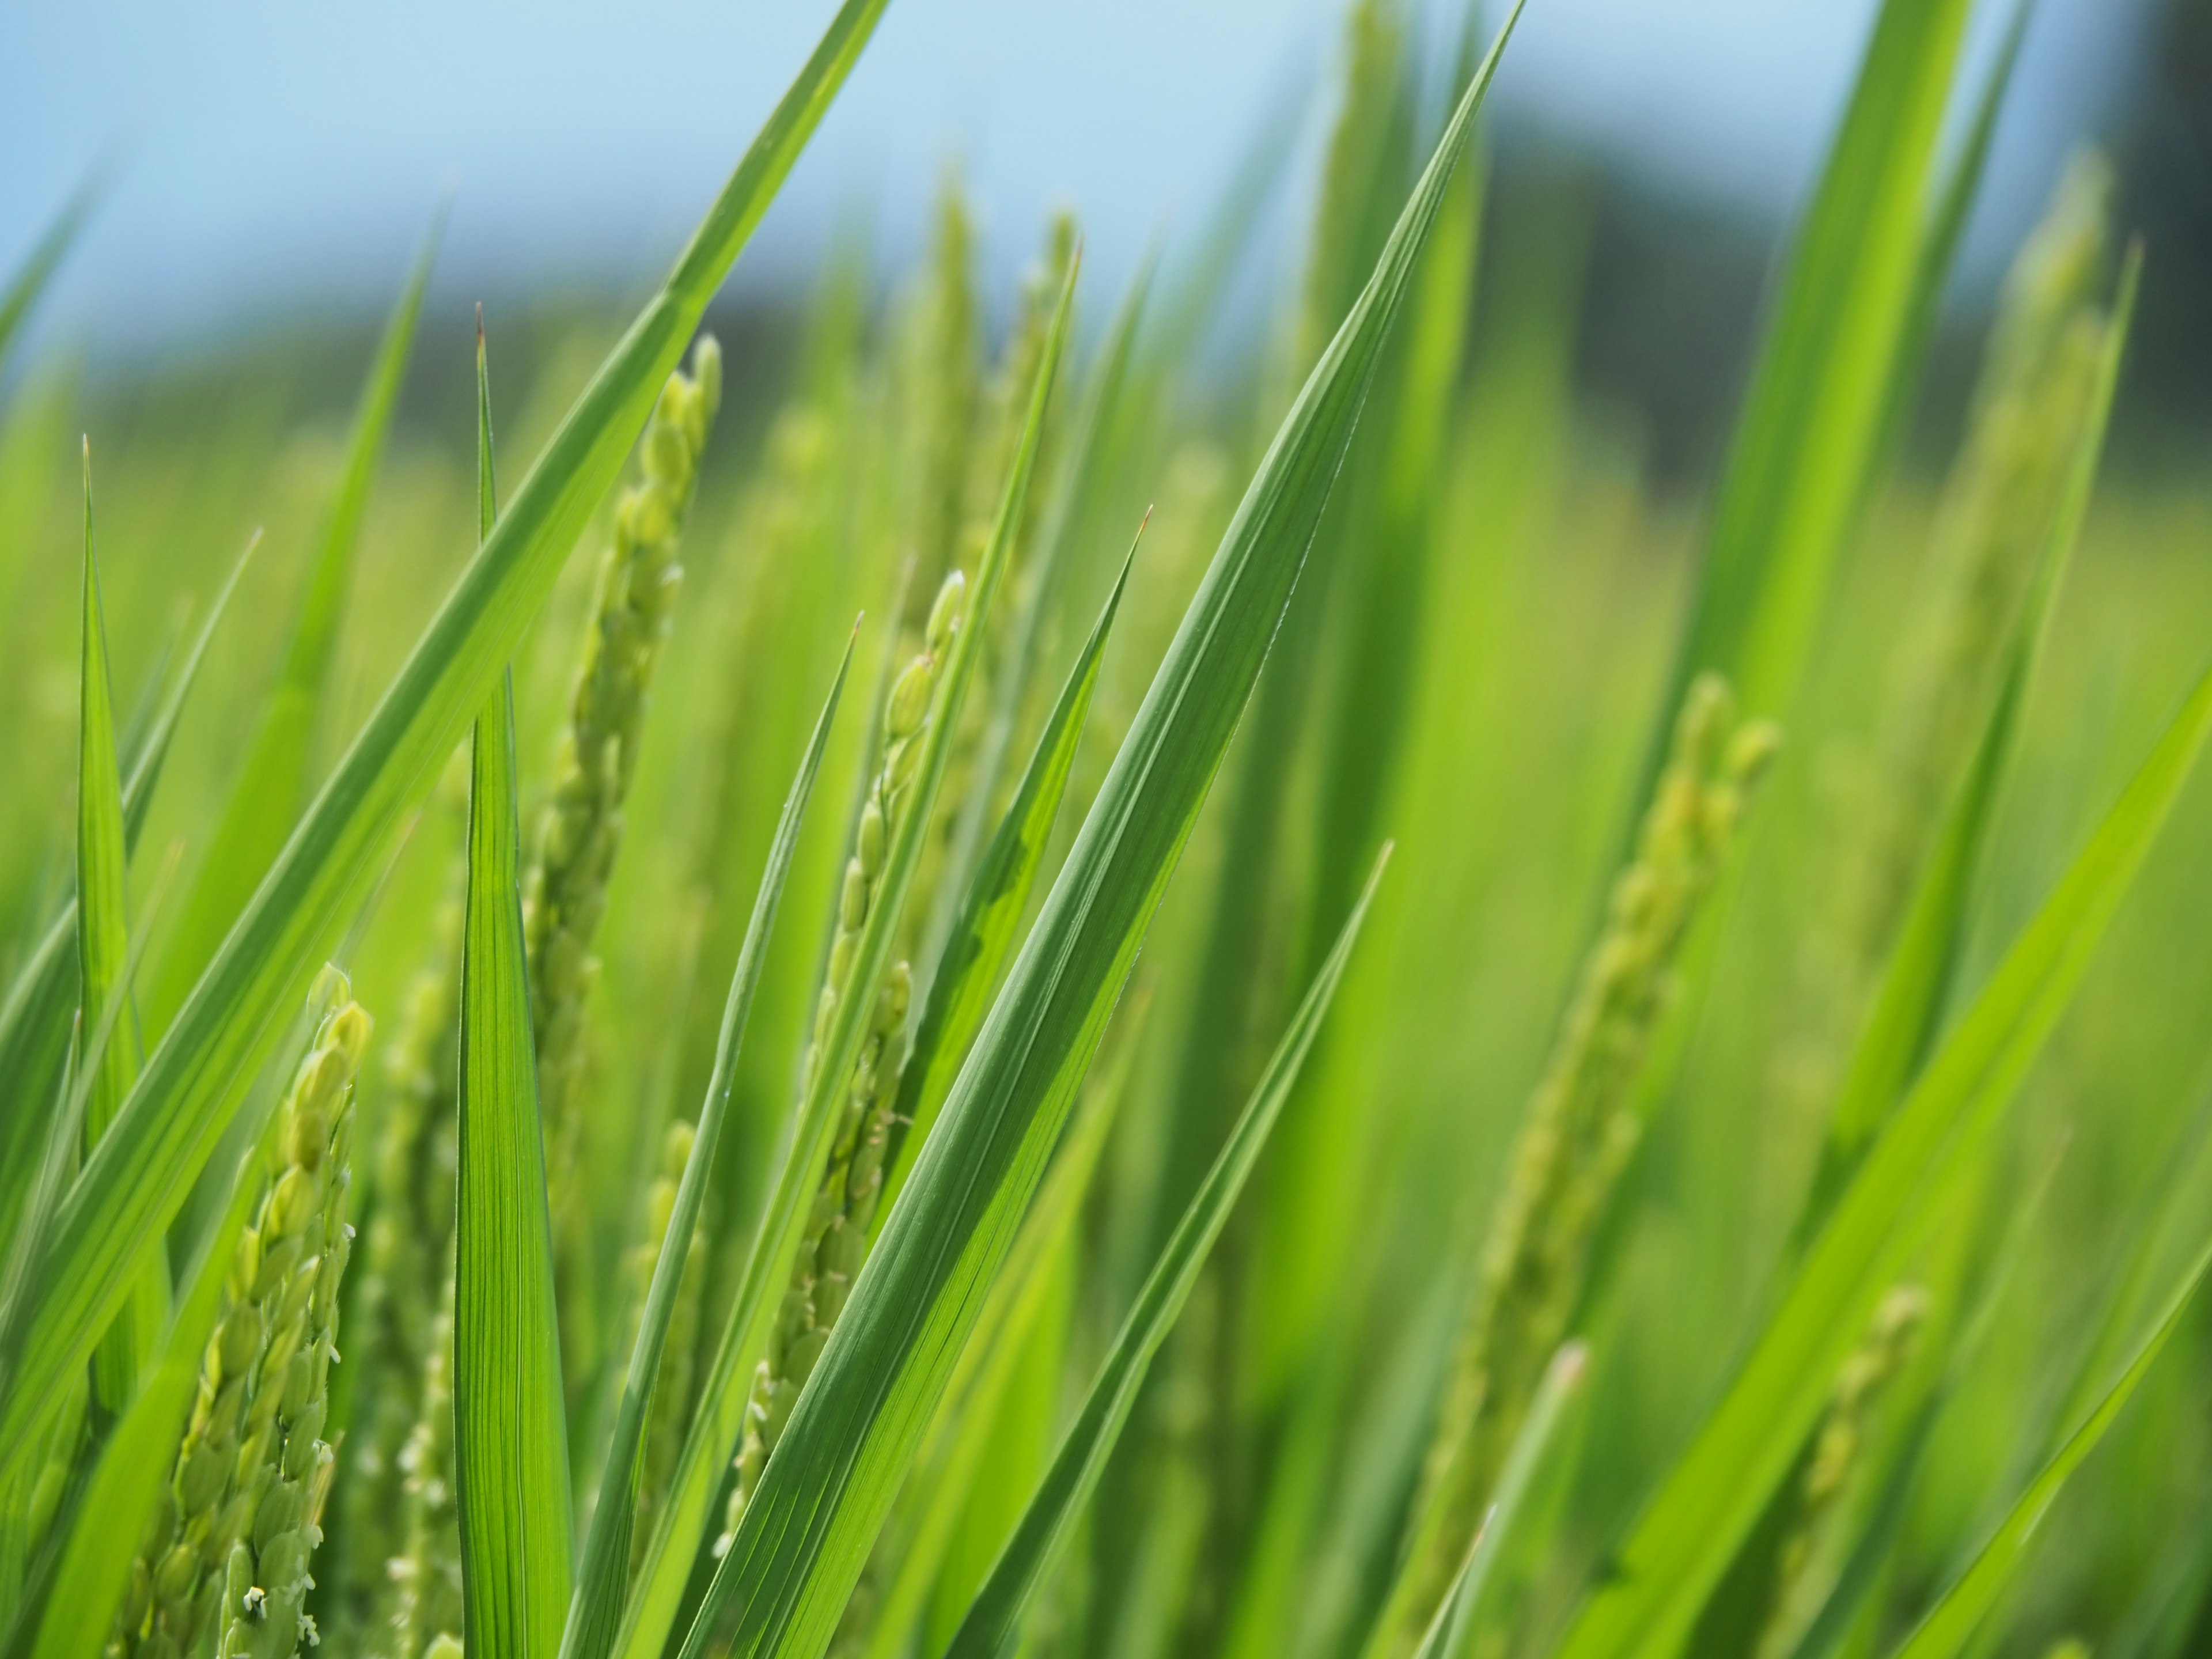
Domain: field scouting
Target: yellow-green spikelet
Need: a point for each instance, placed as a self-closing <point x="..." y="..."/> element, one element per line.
<point x="844" y="1214"/>
<point x="581" y="827"/>
<point x="1581" y="1127"/>
<point x="242" y="1510"/>
<point x="426" y="1576"/>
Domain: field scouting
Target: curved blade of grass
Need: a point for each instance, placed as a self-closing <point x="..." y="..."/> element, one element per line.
<point x="1451" y="1632"/>
<point x="135" y="1464"/>
<point x="961" y="1440"/>
<point x="1818" y="398"/>
<point x="720" y="1417"/>
<point x="510" y="1426"/>
<point x="35" y="1021"/>
<point x="1694" y="1525"/>
<point x="803" y="1539"/>
<point x="982" y="936"/>
<point x="1919" y="977"/>
<point x="595" y="1618"/>
<point x="103" y="935"/>
<point x="994" y="1620"/>
<point x="45" y="257"/>
<point x="1946" y="225"/>
<point x="1951" y="1624"/>
<point x="138" y="1178"/>
<point x="273" y="779"/>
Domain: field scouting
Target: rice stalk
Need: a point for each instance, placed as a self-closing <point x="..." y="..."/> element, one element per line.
<point x="425" y="1577"/>
<point x="838" y="1226"/>
<point x="231" y="1545"/>
<point x="1582" y="1126"/>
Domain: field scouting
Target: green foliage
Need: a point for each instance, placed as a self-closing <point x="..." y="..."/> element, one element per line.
<point x="882" y="1232"/>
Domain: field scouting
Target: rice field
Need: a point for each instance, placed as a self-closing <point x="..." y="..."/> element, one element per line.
<point x="1071" y="979"/>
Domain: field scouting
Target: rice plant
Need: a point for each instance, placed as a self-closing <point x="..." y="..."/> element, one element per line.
<point x="1114" y="985"/>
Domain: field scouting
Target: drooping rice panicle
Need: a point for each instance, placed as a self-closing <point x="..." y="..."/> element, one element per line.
<point x="1837" y="1455"/>
<point x="231" y="1544"/>
<point x="581" y="831"/>
<point x="836" y="1239"/>
<point x="1581" y="1126"/>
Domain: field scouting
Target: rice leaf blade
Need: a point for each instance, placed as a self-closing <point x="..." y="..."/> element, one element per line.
<point x="993" y="1624"/>
<point x="854" y="1430"/>
<point x="103" y="937"/>
<point x="510" y="1427"/>
<point x="35" y="1020"/>
<point x="1818" y="398"/>
<point x="1919" y="977"/>
<point x="45" y="257"/>
<point x="137" y="1179"/>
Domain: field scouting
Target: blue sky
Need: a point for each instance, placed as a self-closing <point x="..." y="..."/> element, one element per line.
<point x="274" y="152"/>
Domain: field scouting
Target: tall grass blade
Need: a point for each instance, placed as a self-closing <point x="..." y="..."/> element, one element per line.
<point x="595" y="1618"/>
<point x="275" y="769"/>
<point x="510" y="1427"/>
<point x="805" y="1536"/>
<point x="1693" y="1526"/>
<point x="1921" y="967"/>
<point x="103" y="934"/>
<point x="138" y="1177"/>
<point x="993" y="1621"/>
<point x="35" y="1020"/>
<point x="1818" y="398"/>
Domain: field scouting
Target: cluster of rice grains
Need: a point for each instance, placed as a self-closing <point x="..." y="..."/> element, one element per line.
<point x="231" y="1546"/>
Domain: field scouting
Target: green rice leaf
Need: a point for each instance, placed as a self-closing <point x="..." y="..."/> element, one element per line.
<point x="964" y="1436"/>
<point x="998" y="896"/>
<point x="35" y="1020"/>
<point x="103" y="936"/>
<point x="137" y="1179"/>
<point x="993" y="1624"/>
<point x="595" y="1618"/>
<point x="510" y="1427"/>
<point x="272" y="780"/>
<point x="801" y="1544"/>
<point x="1692" y="1528"/>
<point x="1819" y="397"/>
<point x="719" y="1419"/>
<point x="1950" y="1625"/>
<point x="1451" y="1633"/>
<point x="1918" y="977"/>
